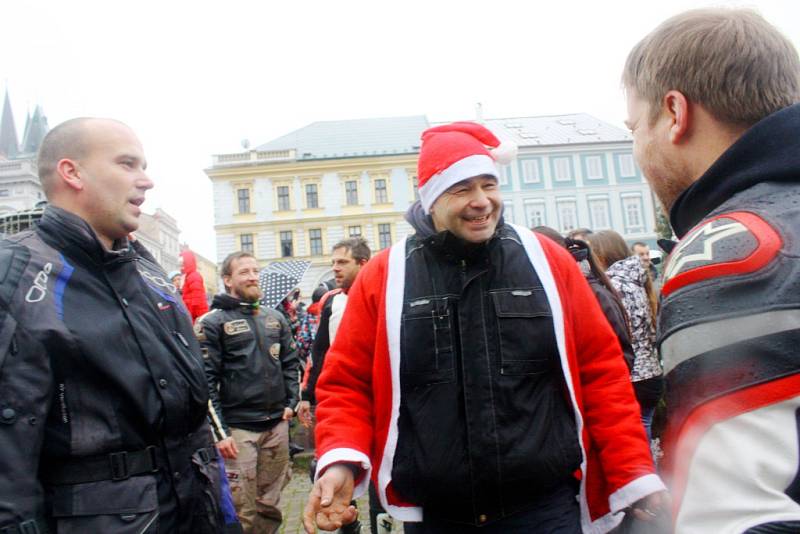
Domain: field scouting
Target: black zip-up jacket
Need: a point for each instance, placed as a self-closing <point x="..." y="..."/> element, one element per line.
<point x="97" y="356"/>
<point x="615" y="314"/>
<point x="251" y="361"/>
<point x="322" y="342"/>
<point x="484" y="421"/>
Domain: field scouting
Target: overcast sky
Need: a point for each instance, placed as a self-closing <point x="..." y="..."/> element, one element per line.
<point x="196" y="78"/>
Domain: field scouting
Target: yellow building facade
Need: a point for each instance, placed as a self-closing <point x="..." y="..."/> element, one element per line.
<point x="297" y="196"/>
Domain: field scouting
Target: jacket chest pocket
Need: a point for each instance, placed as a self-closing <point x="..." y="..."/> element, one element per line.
<point x="427" y="342"/>
<point x="525" y="331"/>
<point x="238" y="345"/>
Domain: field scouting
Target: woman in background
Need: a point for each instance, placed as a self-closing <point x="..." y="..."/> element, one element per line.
<point x="634" y="286"/>
<point x="605" y="293"/>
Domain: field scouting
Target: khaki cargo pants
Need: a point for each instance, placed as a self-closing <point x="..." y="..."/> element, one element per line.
<point x="258" y="475"/>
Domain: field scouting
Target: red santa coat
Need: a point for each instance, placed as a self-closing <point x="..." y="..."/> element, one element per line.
<point x="359" y="390"/>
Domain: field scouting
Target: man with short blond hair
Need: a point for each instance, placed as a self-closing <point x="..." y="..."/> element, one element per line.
<point x="713" y="107"/>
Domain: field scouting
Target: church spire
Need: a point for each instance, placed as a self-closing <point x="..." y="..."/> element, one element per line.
<point x="35" y="130"/>
<point x="8" y="132"/>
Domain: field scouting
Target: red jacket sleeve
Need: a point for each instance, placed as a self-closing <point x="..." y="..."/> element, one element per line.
<point x="345" y="388"/>
<point x="611" y="414"/>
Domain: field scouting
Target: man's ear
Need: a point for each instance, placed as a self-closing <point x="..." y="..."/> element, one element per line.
<point x="677" y="107"/>
<point x="69" y="172"/>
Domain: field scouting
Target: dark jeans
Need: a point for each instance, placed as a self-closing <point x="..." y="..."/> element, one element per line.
<point x="557" y="513"/>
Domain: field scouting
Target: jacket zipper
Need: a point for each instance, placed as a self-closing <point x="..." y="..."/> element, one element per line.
<point x="182" y="339"/>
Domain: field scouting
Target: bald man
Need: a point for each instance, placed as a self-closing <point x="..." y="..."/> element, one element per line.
<point x="103" y="397"/>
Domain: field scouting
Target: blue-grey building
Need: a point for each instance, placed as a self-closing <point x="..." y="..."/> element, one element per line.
<point x="574" y="171"/>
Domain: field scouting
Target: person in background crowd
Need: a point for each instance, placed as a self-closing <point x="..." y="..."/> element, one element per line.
<point x="643" y="251"/>
<point x="606" y="295"/>
<point x="252" y="369"/>
<point x="193" y="288"/>
<point x="714" y="109"/>
<point x="348" y="257"/>
<point x="579" y="234"/>
<point x="633" y="284"/>
<point x="103" y="399"/>
<point x="473" y="377"/>
<point x="176" y="279"/>
<point x="288" y="308"/>
<point x="308" y="326"/>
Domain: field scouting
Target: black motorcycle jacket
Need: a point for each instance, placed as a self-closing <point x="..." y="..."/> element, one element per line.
<point x="729" y="327"/>
<point x="102" y="392"/>
<point x="251" y="361"/>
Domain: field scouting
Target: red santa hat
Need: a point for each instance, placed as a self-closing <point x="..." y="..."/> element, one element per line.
<point x="454" y="152"/>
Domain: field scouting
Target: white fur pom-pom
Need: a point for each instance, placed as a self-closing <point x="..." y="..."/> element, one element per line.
<point x="505" y="152"/>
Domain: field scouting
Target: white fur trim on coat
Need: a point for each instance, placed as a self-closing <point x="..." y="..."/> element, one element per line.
<point x="350" y="456"/>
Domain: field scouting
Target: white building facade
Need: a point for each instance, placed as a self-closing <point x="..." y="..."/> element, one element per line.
<point x="574" y="171"/>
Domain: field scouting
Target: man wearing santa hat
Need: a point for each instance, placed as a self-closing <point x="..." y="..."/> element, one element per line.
<point x="475" y="378"/>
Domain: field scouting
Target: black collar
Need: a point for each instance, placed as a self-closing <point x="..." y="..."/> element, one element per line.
<point x="767" y="152"/>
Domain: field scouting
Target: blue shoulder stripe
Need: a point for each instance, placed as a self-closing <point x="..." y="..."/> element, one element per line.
<point x="61" y="284"/>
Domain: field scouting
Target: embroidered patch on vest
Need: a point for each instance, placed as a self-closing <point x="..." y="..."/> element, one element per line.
<point x="727" y="245"/>
<point x="275" y="351"/>
<point x="199" y="332"/>
<point x="236" y="327"/>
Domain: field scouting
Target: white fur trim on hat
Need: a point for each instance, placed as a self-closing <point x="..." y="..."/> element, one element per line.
<point x="468" y="167"/>
<point x="505" y="152"/>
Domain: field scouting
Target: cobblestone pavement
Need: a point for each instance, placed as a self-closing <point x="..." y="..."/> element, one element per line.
<point x="293" y="501"/>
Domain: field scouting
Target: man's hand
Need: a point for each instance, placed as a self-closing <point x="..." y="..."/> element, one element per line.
<point x="227" y="448"/>
<point x="328" y="504"/>
<point x="648" y="508"/>
<point x="304" y="413"/>
<point x="288" y="413"/>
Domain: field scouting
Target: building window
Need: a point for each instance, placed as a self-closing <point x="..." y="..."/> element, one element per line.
<point x="632" y="210"/>
<point x="287" y="245"/>
<point x="243" y="196"/>
<point x="626" y="165"/>
<point x="4" y="192"/>
<point x="567" y="216"/>
<point x="594" y="168"/>
<point x="535" y="214"/>
<point x="351" y="192"/>
<point x="283" y="198"/>
<point x="530" y="171"/>
<point x="384" y="235"/>
<point x="354" y="231"/>
<point x="508" y="212"/>
<point x="246" y="243"/>
<point x="415" y="186"/>
<point x="312" y="199"/>
<point x="561" y="169"/>
<point x="598" y="211"/>
<point x="381" y="195"/>
<point x="315" y="241"/>
<point x="505" y="175"/>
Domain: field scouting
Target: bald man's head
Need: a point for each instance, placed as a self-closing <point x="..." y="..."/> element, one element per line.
<point x="71" y="139"/>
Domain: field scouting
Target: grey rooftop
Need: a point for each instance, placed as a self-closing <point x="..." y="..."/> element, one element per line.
<point x="352" y="138"/>
<point x="576" y="128"/>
